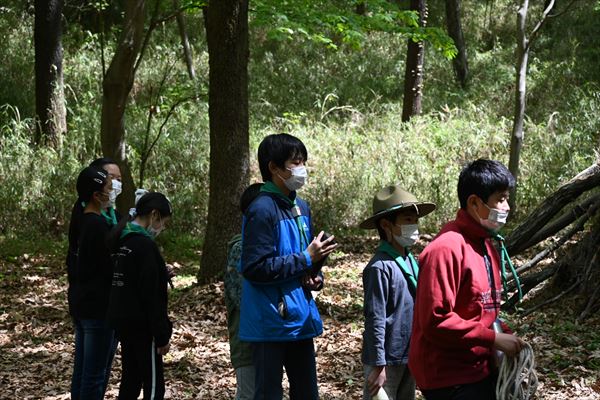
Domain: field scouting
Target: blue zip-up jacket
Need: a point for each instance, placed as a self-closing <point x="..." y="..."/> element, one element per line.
<point x="273" y="264"/>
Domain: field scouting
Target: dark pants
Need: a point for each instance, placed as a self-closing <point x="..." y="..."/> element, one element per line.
<point x="141" y="367"/>
<point x="482" y="390"/>
<point x="298" y="358"/>
<point x="95" y="347"/>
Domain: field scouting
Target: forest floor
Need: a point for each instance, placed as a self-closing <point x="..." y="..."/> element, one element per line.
<point x="36" y="336"/>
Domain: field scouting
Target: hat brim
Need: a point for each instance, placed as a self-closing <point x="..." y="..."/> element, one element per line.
<point x="422" y="210"/>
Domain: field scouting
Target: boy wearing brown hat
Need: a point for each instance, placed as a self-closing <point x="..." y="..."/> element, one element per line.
<point x="389" y="283"/>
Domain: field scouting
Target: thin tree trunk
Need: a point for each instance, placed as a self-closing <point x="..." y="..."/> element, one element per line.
<point x="49" y="88"/>
<point x="116" y="87"/>
<point x="455" y="31"/>
<point x="523" y="46"/>
<point x="185" y="43"/>
<point x="413" y="75"/>
<point x="227" y="38"/>
<point x="516" y="140"/>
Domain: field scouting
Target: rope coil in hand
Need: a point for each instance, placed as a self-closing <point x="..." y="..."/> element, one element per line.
<point x="517" y="379"/>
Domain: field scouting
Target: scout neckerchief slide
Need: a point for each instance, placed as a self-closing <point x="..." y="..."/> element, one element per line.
<point x="411" y="274"/>
<point x="270" y="187"/>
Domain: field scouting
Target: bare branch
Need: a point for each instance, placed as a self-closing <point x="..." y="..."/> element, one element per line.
<point x="541" y="22"/>
<point x="169" y="114"/>
<point x="563" y="11"/>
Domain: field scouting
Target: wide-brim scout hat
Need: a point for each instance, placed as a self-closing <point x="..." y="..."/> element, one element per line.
<point x="391" y="199"/>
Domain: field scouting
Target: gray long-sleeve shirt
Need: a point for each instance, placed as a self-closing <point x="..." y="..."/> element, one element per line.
<point x="388" y="311"/>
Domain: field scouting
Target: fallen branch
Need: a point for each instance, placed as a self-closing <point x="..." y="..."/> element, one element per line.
<point x="547" y="210"/>
<point x="563" y="221"/>
<point x="528" y="283"/>
<point x="552" y="300"/>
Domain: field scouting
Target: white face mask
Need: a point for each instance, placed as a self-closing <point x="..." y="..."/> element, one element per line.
<point x="298" y="178"/>
<point x="409" y="234"/>
<point x="495" y="221"/>
<point x="154" y="232"/>
<point x="117" y="188"/>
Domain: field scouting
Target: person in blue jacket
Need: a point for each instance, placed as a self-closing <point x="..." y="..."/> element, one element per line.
<point x="281" y="266"/>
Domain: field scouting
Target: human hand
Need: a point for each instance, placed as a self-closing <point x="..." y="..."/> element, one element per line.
<point x="376" y="379"/>
<point x="312" y="282"/>
<point x="163" y="349"/>
<point x="319" y="249"/>
<point x="508" y="344"/>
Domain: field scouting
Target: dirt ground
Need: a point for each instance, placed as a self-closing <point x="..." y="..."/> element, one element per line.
<point x="36" y="337"/>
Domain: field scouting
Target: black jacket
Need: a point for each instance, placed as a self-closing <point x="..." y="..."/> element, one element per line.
<point x="138" y="296"/>
<point x="90" y="280"/>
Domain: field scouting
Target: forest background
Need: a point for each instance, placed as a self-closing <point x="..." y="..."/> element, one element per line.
<point x="331" y="73"/>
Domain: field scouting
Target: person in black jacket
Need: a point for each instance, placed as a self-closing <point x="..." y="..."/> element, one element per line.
<point x="110" y="215"/>
<point x="89" y="289"/>
<point x="138" y="298"/>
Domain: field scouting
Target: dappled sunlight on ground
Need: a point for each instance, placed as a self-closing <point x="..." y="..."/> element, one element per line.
<point x="36" y="337"/>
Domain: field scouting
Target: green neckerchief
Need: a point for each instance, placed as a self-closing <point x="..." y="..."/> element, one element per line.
<point x="270" y="187"/>
<point x="505" y="259"/>
<point x="110" y="216"/>
<point x="411" y="273"/>
<point x="134" y="228"/>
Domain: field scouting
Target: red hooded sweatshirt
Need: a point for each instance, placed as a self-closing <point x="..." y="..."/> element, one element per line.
<point x="455" y="307"/>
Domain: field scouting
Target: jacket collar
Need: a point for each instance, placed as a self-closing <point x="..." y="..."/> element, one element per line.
<point x="470" y="227"/>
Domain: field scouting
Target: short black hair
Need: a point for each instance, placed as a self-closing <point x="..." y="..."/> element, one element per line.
<point x="483" y="178"/>
<point x="279" y="148"/>
<point x="102" y="161"/>
<point x="154" y="201"/>
<point x="90" y="181"/>
<point x="249" y="195"/>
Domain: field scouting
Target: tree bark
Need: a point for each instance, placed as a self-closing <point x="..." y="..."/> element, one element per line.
<point x="455" y="31"/>
<point x="116" y="88"/>
<point x="227" y="38"/>
<point x="49" y="88"/>
<point x="413" y="75"/>
<point x="185" y="43"/>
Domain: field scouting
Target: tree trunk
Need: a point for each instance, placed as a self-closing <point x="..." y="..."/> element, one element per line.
<point x="413" y="75"/>
<point x="455" y="31"/>
<point x="116" y="87"/>
<point x="516" y="141"/>
<point x="227" y="37"/>
<point x="185" y="43"/>
<point x="49" y="88"/>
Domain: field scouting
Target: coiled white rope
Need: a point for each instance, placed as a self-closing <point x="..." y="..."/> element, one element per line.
<point x="517" y="379"/>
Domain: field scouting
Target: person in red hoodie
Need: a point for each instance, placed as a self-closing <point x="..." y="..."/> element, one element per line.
<point x="458" y="294"/>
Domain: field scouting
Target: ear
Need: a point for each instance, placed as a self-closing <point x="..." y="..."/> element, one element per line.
<point x="272" y="168"/>
<point x="473" y="201"/>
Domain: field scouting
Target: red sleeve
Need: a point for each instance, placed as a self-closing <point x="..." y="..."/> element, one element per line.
<point x="439" y="279"/>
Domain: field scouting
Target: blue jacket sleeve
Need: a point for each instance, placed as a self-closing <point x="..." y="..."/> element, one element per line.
<point x="261" y="262"/>
<point x="375" y="284"/>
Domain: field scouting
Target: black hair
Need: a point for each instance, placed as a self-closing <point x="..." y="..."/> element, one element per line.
<point x="279" y="148"/>
<point x="90" y="181"/>
<point x="249" y="195"/>
<point x="149" y="202"/>
<point x="102" y="161"/>
<point x="483" y="178"/>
